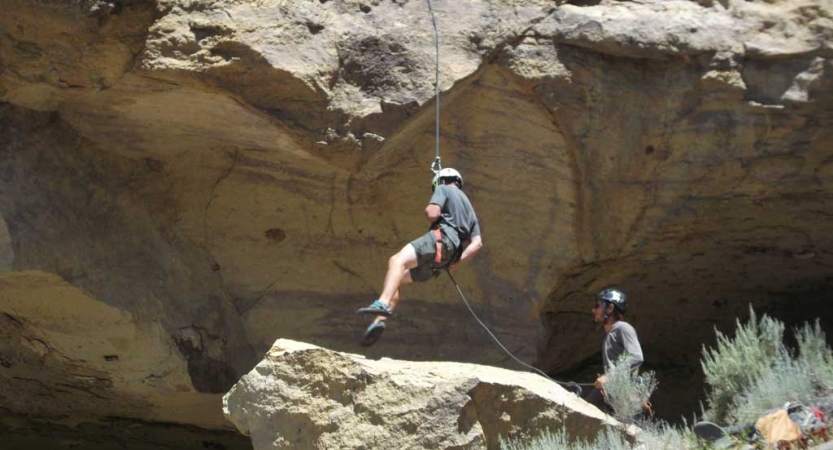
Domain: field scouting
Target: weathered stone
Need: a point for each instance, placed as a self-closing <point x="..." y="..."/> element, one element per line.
<point x="68" y="356"/>
<point x="6" y="250"/>
<point x="226" y="172"/>
<point x="306" y="397"/>
<point x="57" y="49"/>
<point x="327" y="64"/>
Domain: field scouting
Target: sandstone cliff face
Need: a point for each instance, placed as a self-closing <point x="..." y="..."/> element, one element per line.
<point x="192" y="179"/>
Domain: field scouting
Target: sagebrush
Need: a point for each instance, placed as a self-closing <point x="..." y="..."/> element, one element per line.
<point x="608" y="439"/>
<point x="754" y="371"/>
<point x="737" y="362"/>
<point x="626" y="392"/>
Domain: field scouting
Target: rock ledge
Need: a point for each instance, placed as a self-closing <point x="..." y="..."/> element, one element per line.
<point x="306" y="397"/>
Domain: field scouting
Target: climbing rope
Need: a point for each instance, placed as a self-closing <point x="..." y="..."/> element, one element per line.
<point x="436" y="166"/>
<point x="571" y="385"/>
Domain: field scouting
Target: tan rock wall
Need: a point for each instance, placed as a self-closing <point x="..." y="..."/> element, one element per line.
<point x="231" y="171"/>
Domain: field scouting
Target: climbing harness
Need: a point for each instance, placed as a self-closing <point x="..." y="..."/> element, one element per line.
<point x="436" y="167"/>
<point x="438" y="257"/>
<point x="570" y="385"/>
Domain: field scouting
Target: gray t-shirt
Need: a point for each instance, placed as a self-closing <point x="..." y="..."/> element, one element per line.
<point x="622" y="340"/>
<point x="457" y="218"/>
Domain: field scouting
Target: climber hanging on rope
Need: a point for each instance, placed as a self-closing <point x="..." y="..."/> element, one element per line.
<point x="453" y="239"/>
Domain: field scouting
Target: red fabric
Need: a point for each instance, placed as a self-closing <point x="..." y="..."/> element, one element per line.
<point x="438" y="257"/>
<point x="817" y="412"/>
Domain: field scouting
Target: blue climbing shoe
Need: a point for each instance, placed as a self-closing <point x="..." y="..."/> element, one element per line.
<point x="376" y="308"/>
<point x="373" y="333"/>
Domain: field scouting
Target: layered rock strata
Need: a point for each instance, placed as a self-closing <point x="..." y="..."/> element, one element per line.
<point x="181" y="182"/>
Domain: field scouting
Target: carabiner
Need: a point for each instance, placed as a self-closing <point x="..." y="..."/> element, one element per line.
<point x="437" y="165"/>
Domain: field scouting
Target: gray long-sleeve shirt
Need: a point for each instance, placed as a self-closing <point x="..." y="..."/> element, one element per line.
<point x="622" y="340"/>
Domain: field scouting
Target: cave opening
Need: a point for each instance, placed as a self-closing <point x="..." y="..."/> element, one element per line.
<point x="678" y="301"/>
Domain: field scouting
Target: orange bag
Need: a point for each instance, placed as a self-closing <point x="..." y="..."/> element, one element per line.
<point x="778" y="429"/>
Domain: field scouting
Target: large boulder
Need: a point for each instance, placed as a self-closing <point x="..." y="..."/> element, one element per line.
<point x="305" y="397"/>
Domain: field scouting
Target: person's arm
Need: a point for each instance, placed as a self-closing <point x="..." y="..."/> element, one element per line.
<point x="470" y="248"/>
<point x="471" y="245"/>
<point x="633" y="353"/>
<point x="432" y="212"/>
<point x="632" y="349"/>
<point x="474" y="246"/>
<point x="434" y="209"/>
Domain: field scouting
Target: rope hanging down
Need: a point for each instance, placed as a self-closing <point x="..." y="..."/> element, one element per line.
<point x="436" y="166"/>
<point x="571" y="385"/>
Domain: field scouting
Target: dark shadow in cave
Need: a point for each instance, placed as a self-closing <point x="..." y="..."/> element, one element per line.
<point x="675" y="322"/>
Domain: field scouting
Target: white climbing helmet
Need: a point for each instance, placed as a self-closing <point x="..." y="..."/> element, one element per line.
<point x="447" y="173"/>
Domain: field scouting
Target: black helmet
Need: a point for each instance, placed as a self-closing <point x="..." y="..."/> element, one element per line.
<point x="615" y="296"/>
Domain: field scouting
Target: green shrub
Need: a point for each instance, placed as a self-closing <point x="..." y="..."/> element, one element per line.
<point x="755" y="372"/>
<point x="653" y="437"/>
<point x="545" y="441"/>
<point x="665" y="437"/>
<point x="737" y="362"/>
<point x="609" y="439"/>
<point x="626" y="392"/>
<point x="814" y="353"/>
<point x="787" y="380"/>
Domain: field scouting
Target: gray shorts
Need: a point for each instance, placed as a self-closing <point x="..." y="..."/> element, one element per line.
<point x="426" y="250"/>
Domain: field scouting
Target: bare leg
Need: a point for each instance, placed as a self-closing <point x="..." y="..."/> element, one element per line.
<point x="399" y="273"/>
<point x="398" y="267"/>
<point x="406" y="278"/>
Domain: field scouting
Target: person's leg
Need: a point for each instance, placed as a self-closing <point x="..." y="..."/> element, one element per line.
<point x="404" y="267"/>
<point x="406" y="279"/>
<point x="399" y="266"/>
<point x="375" y="330"/>
<point x="596" y="398"/>
<point x="395" y="298"/>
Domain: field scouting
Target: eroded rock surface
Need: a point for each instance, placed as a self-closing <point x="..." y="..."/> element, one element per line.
<point x="306" y="397"/>
<point x="206" y="176"/>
